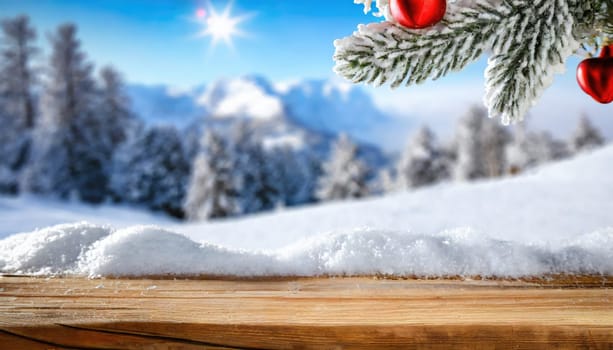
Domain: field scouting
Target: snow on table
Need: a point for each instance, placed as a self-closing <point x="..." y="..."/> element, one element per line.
<point x="91" y="250"/>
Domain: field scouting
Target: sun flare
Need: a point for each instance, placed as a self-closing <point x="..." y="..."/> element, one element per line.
<point x="219" y="26"/>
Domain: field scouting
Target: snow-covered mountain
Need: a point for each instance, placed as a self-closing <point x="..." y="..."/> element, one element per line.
<point x="248" y="97"/>
<point x="160" y="104"/>
<point x="333" y="106"/>
<point x="305" y="116"/>
<point x="320" y="106"/>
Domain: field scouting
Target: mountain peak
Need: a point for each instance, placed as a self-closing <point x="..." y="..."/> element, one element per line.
<point x="250" y="97"/>
<point x="322" y="105"/>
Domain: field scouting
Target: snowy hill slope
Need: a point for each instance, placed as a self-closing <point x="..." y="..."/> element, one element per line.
<point x="554" y="219"/>
<point x="551" y="204"/>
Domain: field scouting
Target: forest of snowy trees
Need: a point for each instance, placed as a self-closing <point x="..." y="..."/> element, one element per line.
<point x="482" y="148"/>
<point x="68" y="131"/>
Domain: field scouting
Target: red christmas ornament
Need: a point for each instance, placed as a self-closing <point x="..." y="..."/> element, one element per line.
<point x="595" y="76"/>
<point x="418" y="14"/>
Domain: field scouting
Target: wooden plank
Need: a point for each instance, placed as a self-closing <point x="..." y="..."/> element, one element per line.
<point x="360" y="313"/>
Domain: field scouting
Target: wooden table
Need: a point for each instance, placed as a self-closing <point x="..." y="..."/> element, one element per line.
<point x="331" y="313"/>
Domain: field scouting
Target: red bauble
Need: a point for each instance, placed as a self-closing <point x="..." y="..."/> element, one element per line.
<point x="418" y="14"/>
<point x="595" y="76"/>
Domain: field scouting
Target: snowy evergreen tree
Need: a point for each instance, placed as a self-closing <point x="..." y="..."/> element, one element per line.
<point x="72" y="156"/>
<point x="114" y="108"/>
<point x="480" y="144"/>
<point x="296" y="174"/>
<point x="151" y="169"/>
<point x="529" y="149"/>
<point x="470" y="163"/>
<point x="528" y="42"/>
<point x="211" y="192"/>
<point x="253" y="171"/>
<point x="516" y="152"/>
<point x="344" y="175"/>
<point x="421" y="163"/>
<point x="494" y="142"/>
<point x="17" y="111"/>
<point x="8" y="181"/>
<point x="586" y="136"/>
<point x="387" y="181"/>
<point x="557" y="149"/>
<point x="449" y="157"/>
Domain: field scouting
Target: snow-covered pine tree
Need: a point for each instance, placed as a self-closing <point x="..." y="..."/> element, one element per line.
<point x="586" y="136"/>
<point x="114" y="108"/>
<point x="528" y="41"/>
<point x="387" y="181"/>
<point x="545" y="148"/>
<point x="257" y="188"/>
<point x="421" y="163"/>
<point x="556" y="149"/>
<point x="529" y="149"/>
<point x="449" y="156"/>
<point x="151" y="169"/>
<point x="494" y="140"/>
<point x="211" y="192"/>
<point x="296" y="174"/>
<point x="480" y="147"/>
<point x="71" y="155"/>
<point x="17" y="111"/>
<point x="516" y="152"/>
<point x="470" y="163"/>
<point x="344" y="175"/>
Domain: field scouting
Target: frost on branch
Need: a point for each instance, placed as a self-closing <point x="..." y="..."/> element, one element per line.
<point x="528" y="42"/>
<point x="526" y="56"/>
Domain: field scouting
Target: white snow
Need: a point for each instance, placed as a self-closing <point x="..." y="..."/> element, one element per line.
<point x="85" y="249"/>
<point x="555" y="219"/>
<point x="54" y="249"/>
<point x="294" y="141"/>
<point x="243" y="98"/>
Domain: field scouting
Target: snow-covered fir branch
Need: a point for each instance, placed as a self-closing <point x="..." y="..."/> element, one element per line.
<point x="528" y="42"/>
<point x="526" y="56"/>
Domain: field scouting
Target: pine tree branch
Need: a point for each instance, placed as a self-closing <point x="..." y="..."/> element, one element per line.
<point x="607" y="19"/>
<point x="529" y="42"/>
<point x="522" y="66"/>
<point x="384" y="52"/>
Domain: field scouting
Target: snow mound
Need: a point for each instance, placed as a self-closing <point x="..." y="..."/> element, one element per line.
<point x="84" y="249"/>
<point x="50" y="250"/>
<point x="153" y="251"/>
<point x="460" y="252"/>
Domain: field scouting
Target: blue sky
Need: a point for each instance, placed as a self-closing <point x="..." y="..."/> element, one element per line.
<point x="154" y="42"/>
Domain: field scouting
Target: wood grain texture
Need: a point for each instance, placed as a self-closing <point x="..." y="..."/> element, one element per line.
<point x="331" y="313"/>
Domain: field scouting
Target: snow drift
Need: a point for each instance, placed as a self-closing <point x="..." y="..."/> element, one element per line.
<point x="85" y="249"/>
<point x="555" y="219"/>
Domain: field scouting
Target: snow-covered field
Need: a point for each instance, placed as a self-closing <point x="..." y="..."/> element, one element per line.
<point x="558" y="218"/>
